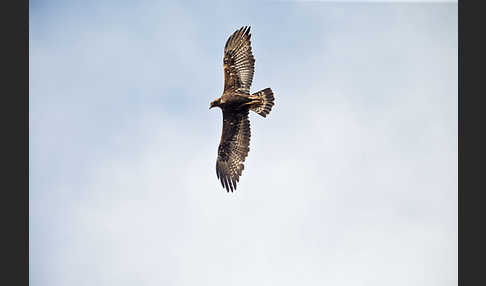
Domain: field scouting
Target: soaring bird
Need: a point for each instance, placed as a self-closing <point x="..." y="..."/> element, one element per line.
<point x="236" y="102"/>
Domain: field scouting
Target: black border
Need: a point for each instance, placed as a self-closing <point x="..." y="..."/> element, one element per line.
<point x="471" y="144"/>
<point x="460" y="161"/>
<point x="15" y="103"/>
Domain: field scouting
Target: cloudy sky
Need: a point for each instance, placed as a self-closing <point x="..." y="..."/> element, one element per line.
<point x="351" y="180"/>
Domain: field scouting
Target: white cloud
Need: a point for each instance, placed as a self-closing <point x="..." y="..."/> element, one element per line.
<point x="351" y="180"/>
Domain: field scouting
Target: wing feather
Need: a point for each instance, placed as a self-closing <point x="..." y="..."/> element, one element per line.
<point x="233" y="148"/>
<point x="238" y="62"/>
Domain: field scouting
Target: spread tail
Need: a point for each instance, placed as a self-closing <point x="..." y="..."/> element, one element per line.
<point x="264" y="108"/>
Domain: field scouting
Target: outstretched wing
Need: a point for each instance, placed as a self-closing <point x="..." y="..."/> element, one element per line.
<point x="233" y="148"/>
<point x="238" y="62"/>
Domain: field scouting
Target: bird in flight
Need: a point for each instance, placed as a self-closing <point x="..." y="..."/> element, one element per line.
<point x="236" y="102"/>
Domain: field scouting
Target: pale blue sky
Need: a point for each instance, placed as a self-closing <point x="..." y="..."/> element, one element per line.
<point x="351" y="180"/>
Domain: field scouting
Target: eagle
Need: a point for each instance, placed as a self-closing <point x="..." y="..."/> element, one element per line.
<point x="236" y="103"/>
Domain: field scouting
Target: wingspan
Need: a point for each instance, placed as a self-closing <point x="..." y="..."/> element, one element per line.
<point x="233" y="148"/>
<point x="238" y="62"/>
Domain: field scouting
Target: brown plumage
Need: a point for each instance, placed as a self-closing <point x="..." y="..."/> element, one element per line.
<point x="236" y="102"/>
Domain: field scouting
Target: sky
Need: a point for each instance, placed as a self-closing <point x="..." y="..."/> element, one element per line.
<point x="351" y="179"/>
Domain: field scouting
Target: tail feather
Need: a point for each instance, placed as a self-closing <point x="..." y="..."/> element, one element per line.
<point x="267" y="102"/>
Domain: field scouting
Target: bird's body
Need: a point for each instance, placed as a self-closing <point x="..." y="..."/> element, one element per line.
<point x="236" y="102"/>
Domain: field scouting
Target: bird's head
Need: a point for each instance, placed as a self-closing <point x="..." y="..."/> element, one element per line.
<point x="215" y="103"/>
